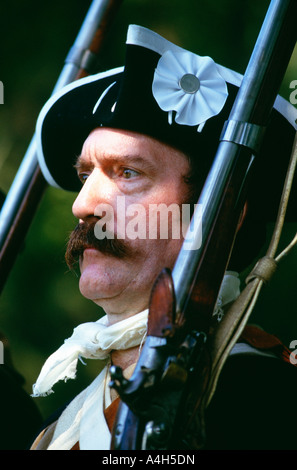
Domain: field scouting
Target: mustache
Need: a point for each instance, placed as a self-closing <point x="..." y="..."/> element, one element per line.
<point x="83" y="236"/>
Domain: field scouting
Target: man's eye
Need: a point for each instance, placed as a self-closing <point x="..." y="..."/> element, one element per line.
<point x="128" y="173"/>
<point x="83" y="177"/>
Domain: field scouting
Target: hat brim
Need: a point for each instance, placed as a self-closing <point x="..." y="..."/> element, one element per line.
<point x="121" y="98"/>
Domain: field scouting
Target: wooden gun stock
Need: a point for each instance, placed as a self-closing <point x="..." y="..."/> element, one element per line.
<point x="150" y="411"/>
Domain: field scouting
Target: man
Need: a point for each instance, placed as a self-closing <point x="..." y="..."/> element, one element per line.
<point x="140" y="136"/>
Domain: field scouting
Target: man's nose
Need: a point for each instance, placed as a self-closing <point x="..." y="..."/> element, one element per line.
<point x="97" y="189"/>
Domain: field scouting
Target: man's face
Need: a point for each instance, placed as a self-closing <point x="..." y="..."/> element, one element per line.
<point x="119" y="169"/>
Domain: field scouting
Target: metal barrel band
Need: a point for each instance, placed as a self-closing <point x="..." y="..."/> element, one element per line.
<point x="243" y="133"/>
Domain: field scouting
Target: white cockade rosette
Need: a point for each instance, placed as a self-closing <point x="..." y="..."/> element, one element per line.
<point x="191" y="86"/>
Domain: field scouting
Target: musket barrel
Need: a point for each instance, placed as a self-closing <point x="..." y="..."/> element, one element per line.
<point x="260" y="84"/>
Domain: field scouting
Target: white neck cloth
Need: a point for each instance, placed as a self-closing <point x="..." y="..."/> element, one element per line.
<point x="83" y="420"/>
<point x="92" y="340"/>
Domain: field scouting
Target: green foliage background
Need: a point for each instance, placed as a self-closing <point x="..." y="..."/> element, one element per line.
<point x="41" y="304"/>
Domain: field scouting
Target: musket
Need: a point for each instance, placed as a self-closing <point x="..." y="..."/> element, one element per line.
<point x="162" y="404"/>
<point x="29" y="184"/>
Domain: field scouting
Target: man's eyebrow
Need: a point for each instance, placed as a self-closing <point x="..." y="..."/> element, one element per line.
<point x="115" y="159"/>
<point x="132" y="159"/>
<point x="80" y="164"/>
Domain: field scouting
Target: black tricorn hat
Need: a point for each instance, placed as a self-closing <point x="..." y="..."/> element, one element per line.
<point x="172" y="95"/>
